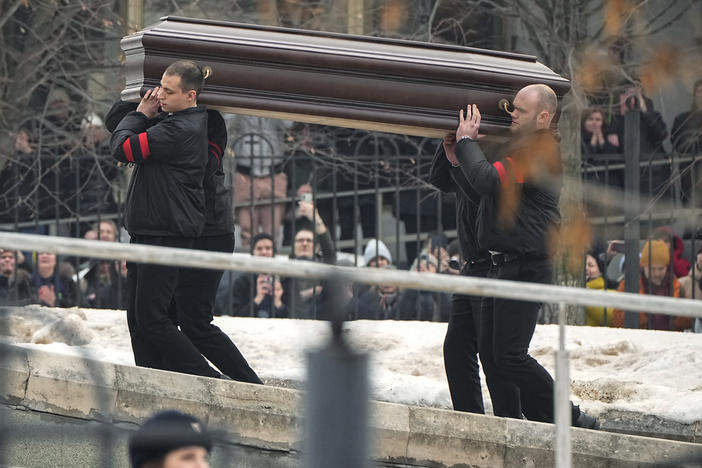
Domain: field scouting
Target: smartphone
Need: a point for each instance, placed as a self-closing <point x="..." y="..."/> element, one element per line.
<point x="618" y="247"/>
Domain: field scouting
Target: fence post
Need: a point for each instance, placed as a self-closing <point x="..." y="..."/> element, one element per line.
<point x="632" y="233"/>
<point x="562" y="411"/>
<point x="336" y="400"/>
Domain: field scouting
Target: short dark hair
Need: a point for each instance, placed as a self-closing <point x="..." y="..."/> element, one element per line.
<point x="190" y="73"/>
<point x="260" y="236"/>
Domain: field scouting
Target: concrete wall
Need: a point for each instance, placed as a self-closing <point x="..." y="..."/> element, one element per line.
<point x="53" y="401"/>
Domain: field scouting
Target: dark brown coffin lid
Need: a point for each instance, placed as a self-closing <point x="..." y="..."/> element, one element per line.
<point x="371" y="83"/>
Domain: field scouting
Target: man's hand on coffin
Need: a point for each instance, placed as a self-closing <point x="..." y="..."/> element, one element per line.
<point x="149" y="103"/>
<point x="470" y="124"/>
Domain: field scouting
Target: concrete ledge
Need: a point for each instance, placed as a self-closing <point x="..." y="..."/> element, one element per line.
<point x="268" y="418"/>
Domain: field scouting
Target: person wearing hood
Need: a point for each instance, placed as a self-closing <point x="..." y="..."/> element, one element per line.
<point x="596" y="316"/>
<point x="655" y="280"/>
<point x="681" y="266"/>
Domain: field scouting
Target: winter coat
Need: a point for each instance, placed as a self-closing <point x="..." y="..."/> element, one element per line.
<point x="165" y="196"/>
<point x="413" y="304"/>
<point x="595" y="315"/>
<point x="64" y="289"/>
<point x="518" y="211"/>
<point x="100" y="292"/>
<point x="652" y="130"/>
<point x="16" y="289"/>
<point x="658" y="321"/>
<point x="243" y="294"/>
<point x="219" y="218"/>
<point x="605" y="149"/>
<point x="686" y="135"/>
<point x="368" y="303"/>
<point x="313" y="308"/>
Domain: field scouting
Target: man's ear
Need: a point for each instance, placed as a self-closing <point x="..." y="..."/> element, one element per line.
<point x="543" y="117"/>
<point x="192" y="94"/>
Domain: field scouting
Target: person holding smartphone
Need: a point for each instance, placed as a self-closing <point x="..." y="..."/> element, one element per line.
<point x="304" y="297"/>
<point x="259" y="295"/>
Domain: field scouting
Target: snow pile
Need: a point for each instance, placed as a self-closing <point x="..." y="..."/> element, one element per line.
<point x="650" y="372"/>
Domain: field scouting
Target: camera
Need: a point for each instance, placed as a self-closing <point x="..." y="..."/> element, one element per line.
<point x="632" y="102"/>
<point x="306" y="197"/>
<point x="454" y="264"/>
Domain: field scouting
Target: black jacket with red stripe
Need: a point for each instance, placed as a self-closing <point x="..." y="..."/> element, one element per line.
<point x="165" y="196"/>
<point x="219" y="219"/>
<point x="518" y="211"/>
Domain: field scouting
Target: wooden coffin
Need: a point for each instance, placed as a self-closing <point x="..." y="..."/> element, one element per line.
<point x="370" y="83"/>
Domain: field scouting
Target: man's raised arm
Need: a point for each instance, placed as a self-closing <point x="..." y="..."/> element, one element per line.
<point x="482" y="176"/>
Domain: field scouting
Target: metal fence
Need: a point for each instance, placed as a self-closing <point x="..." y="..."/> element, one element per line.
<point x="457" y="284"/>
<point x="364" y="186"/>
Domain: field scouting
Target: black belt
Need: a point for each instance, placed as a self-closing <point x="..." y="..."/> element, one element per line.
<point x="500" y="258"/>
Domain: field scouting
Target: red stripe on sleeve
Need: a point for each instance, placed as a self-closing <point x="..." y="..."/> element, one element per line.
<point x="144" y="144"/>
<point x="127" y="148"/>
<point x="219" y="150"/>
<point x="517" y="173"/>
<point x="501" y="172"/>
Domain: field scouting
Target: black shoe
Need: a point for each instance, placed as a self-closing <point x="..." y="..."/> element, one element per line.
<point x="586" y="422"/>
<point x="225" y="377"/>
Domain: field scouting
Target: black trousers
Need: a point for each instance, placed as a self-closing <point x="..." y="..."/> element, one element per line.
<point x="194" y="303"/>
<point x="461" y="348"/>
<point x="156" y="341"/>
<point x="516" y="381"/>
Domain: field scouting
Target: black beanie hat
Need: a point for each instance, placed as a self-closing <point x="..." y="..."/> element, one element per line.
<point x="164" y="432"/>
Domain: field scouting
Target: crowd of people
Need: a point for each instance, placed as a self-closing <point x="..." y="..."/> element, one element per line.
<point x="44" y="278"/>
<point x="603" y="143"/>
<point x="507" y="220"/>
<point x="664" y="271"/>
<point x="40" y="278"/>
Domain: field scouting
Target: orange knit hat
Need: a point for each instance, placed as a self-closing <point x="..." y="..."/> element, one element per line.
<point x="660" y="255"/>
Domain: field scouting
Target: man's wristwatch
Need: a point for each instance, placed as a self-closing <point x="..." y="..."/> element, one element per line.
<point x="465" y="137"/>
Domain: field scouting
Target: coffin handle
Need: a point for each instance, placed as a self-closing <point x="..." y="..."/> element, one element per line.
<point x="503" y="104"/>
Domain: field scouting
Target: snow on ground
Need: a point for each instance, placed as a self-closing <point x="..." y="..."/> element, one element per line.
<point x="651" y="372"/>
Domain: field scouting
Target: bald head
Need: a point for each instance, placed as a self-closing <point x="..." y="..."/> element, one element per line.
<point x="534" y="108"/>
<point x="545" y="96"/>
